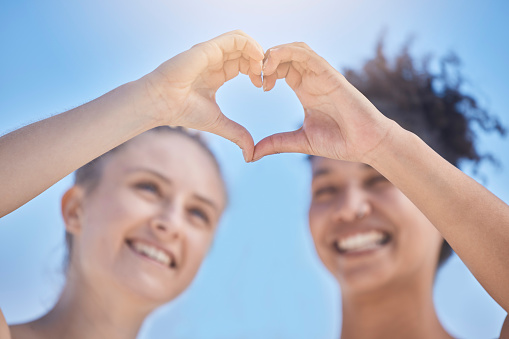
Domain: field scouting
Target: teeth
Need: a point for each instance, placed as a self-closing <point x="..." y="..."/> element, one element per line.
<point x="361" y="241"/>
<point x="151" y="252"/>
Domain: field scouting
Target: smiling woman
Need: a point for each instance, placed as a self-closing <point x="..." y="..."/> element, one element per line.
<point x="139" y="233"/>
<point x="147" y="199"/>
<point x="382" y="198"/>
<point x="89" y="176"/>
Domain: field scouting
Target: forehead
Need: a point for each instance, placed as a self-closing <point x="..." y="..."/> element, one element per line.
<point x="181" y="160"/>
<point x="324" y="167"/>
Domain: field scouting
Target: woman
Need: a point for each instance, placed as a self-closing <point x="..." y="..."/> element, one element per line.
<point x="378" y="190"/>
<point x="141" y="217"/>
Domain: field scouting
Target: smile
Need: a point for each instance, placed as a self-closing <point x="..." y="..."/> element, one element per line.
<point x="361" y="242"/>
<point x="152" y="252"/>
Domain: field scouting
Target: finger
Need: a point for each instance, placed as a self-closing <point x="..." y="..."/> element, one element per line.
<point x="241" y="32"/>
<point x="288" y="142"/>
<point x="244" y="65"/>
<point x="211" y="55"/>
<point x="233" y="55"/>
<point x="234" y="132"/>
<point x="231" y="69"/>
<point x="256" y="66"/>
<point x="281" y="54"/>
<point x="293" y="77"/>
<point x="234" y="42"/>
<point x="295" y="53"/>
<point x="256" y="79"/>
<point x="245" y="68"/>
<point x="269" y="81"/>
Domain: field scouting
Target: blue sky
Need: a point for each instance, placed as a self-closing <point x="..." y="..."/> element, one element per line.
<point x="262" y="277"/>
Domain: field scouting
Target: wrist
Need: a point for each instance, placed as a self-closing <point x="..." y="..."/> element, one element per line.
<point x="144" y="105"/>
<point x="390" y="145"/>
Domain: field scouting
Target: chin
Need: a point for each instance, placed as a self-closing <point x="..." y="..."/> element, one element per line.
<point x="147" y="276"/>
<point x="361" y="283"/>
<point x="145" y="285"/>
<point x="362" y="275"/>
<point x="150" y="292"/>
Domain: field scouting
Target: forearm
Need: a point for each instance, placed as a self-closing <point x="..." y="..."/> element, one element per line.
<point x="36" y="156"/>
<point x="4" y="329"/>
<point x="473" y="220"/>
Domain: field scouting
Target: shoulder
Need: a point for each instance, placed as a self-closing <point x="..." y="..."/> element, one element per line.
<point x="504" y="334"/>
<point x="4" y="329"/>
<point x="14" y="331"/>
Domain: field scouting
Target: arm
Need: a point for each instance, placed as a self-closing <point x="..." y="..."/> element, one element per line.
<point x="504" y="333"/>
<point x="472" y="219"/>
<point x="340" y="123"/>
<point x="180" y="92"/>
<point x="4" y="329"/>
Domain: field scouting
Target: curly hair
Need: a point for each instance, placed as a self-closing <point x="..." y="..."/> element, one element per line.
<point x="433" y="105"/>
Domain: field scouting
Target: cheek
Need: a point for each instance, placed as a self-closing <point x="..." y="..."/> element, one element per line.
<point x="317" y="224"/>
<point x="197" y="246"/>
<point x="118" y="211"/>
<point x="105" y="225"/>
<point x="417" y="239"/>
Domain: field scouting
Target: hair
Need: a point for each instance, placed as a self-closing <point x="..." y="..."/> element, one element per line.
<point x="89" y="175"/>
<point x="430" y="104"/>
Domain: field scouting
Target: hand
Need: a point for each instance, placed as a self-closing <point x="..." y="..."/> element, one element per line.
<point x="182" y="90"/>
<point x="339" y="123"/>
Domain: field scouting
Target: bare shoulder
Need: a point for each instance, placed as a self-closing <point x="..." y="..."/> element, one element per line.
<point x="4" y="329"/>
<point x="23" y="331"/>
<point x="504" y="334"/>
<point x="15" y="331"/>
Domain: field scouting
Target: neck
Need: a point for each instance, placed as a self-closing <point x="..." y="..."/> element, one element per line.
<point x="395" y="311"/>
<point x="85" y="311"/>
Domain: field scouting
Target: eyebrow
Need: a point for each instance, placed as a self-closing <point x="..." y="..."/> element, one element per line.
<point x="168" y="181"/>
<point x="151" y="171"/>
<point x="320" y="172"/>
<point x="206" y="201"/>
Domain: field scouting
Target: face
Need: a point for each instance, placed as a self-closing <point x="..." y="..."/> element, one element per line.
<point x="365" y="230"/>
<point x="148" y="224"/>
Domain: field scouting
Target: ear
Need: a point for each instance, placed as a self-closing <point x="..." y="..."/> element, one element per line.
<point x="72" y="209"/>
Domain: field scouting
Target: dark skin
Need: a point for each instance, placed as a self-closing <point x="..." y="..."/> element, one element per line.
<point x="341" y="124"/>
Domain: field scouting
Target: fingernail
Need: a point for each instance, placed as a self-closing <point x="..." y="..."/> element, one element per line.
<point x="245" y="155"/>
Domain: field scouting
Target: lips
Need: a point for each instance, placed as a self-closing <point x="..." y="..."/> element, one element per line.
<point x="362" y="242"/>
<point x="153" y="252"/>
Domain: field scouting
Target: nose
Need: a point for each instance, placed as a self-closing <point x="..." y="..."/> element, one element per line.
<point x="352" y="205"/>
<point x="169" y="222"/>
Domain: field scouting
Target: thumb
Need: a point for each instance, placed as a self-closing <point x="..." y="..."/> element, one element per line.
<point x="288" y="142"/>
<point x="234" y="132"/>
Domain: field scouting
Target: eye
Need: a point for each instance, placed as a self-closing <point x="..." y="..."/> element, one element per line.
<point x="200" y="214"/>
<point x="375" y="181"/>
<point x="148" y="186"/>
<point x="325" y="191"/>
